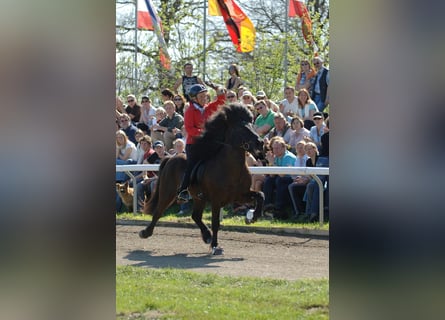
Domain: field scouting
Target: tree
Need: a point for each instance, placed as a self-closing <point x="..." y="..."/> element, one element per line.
<point x="182" y="22"/>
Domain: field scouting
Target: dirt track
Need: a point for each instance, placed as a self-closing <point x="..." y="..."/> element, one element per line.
<point x="245" y="254"/>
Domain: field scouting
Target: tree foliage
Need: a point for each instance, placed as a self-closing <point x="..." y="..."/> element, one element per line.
<point x="182" y="21"/>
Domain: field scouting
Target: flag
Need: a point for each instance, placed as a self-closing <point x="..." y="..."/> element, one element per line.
<point x="151" y="21"/>
<point x="298" y="8"/>
<point x="144" y="19"/>
<point x="239" y="26"/>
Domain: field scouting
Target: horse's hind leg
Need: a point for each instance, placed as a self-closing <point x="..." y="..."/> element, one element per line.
<point x="198" y="209"/>
<point x="166" y="201"/>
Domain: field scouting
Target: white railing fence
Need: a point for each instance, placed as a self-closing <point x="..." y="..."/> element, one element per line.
<point x="309" y="171"/>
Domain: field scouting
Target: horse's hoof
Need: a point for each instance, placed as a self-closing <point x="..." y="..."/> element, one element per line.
<point x="217" y="251"/>
<point x="144" y="234"/>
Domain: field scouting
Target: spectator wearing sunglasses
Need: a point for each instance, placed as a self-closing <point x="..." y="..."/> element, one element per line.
<point x="306" y="76"/>
<point x="128" y="127"/>
<point x="148" y="112"/>
<point x="265" y="120"/>
<point x="180" y="104"/>
<point x="261" y="95"/>
<point x="320" y="93"/>
<point x="231" y="97"/>
<point x="133" y="109"/>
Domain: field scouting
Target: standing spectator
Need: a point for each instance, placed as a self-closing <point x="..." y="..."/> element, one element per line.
<point x="128" y="127"/>
<point x="261" y="95"/>
<point x="148" y="112"/>
<point x="235" y="80"/>
<point x="187" y="81"/>
<point x="312" y="153"/>
<point x="318" y="130"/>
<point x="298" y="186"/>
<point x="133" y="109"/>
<point x="305" y="77"/>
<point x="306" y="108"/>
<point x="276" y="186"/>
<point x="180" y="104"/>
<point x="320" y="92"/>
<point x="299" y="132"/>
<point x="289" y="105"/>
<point x="171" y="125"/>
<point x="195" y="116"/>
<point x="265" y="120"/>
<point x="281" y="128"/>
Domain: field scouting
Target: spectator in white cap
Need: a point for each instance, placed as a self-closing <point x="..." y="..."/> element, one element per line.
<point x="248" y="98"/>
<point x="261" y="95"/>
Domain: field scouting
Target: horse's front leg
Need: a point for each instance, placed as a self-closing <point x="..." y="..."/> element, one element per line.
<point x="216" y="250"/>
<point x="198" y="209"/>
<point x="258" y="197"/>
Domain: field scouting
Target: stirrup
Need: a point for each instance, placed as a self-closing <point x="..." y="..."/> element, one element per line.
<point x="184" y="195"/>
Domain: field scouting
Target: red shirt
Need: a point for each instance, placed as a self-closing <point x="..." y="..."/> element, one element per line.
<point x="194" y="119"/>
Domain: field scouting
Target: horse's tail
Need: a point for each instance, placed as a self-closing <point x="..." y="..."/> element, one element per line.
<point x="169" y="176"/>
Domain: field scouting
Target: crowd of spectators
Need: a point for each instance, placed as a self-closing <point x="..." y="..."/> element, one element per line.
<point x="295" y="132"/>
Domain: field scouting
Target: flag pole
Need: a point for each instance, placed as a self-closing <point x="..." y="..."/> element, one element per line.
<point x="286" y="30"/>
<point x="204" y="41"/>
<point x="135" y="73"/>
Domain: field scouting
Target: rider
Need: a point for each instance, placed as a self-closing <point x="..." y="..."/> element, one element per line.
<point x="194" y="119"/>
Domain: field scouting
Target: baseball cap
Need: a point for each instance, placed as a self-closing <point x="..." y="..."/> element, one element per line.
<point x="247" y="93"/>
<point x="260" y="94"/>
<point x="158" y="143"/>
<point x="318" y="115"/>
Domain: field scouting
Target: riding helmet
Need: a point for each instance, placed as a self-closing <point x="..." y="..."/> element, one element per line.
<point x="195" y="89"/>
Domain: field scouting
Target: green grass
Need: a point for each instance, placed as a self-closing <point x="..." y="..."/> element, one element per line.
<point x="229" y="220"/>
<point x="176" y="294"/>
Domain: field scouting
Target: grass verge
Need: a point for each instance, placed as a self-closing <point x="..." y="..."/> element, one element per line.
<point x="228" y="220"/>
<point x="176" y="294"/>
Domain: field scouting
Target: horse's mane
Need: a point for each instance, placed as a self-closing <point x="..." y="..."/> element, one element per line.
<point x="228" y="116"/>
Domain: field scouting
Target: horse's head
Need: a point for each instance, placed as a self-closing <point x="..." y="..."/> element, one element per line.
<point x="241" y="133"/>
<point x="245" y="136"/>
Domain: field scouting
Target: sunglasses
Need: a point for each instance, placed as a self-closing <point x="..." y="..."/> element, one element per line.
<point x="305" y="64"/>
<point x="230" y="97"/>
<point x="259" y="108"/>
<point x="144" y="101"/>
<point x="124" y="120"/>
<point x="177" y="99"/>
<point x="130" y="100"/>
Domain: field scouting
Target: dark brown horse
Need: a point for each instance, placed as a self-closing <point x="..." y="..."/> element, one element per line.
<point x="223" y="179"/>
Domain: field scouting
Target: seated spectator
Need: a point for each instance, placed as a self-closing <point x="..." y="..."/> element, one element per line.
<point x="146" y="186"/>
<point x="128" y="127"/>
<point x="264" y="122"/>
<point x="247" y="98"/>
<point x="133" y="109"/>
<point x="298" y="187"/>
<point x="261" y="95"/>
<point x="276" y="186"/>
<point x="171" y="125"/>
<point x="318" y="130"/>
<point x="289" y="105"/>
<point x="167" y="94"/>
<point x="178" y="147"/>
<point x="306" y="108"/>
<point x="180" y="104"/>
<point x="298" y="133"/>
<point x="120" y="110"/>
<point x="156" y="133"/>
<point x="148" y="113"/>
<point x="126" y="153"/>
<point x="281" y="128"/>
<point x="231" y="97"/>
